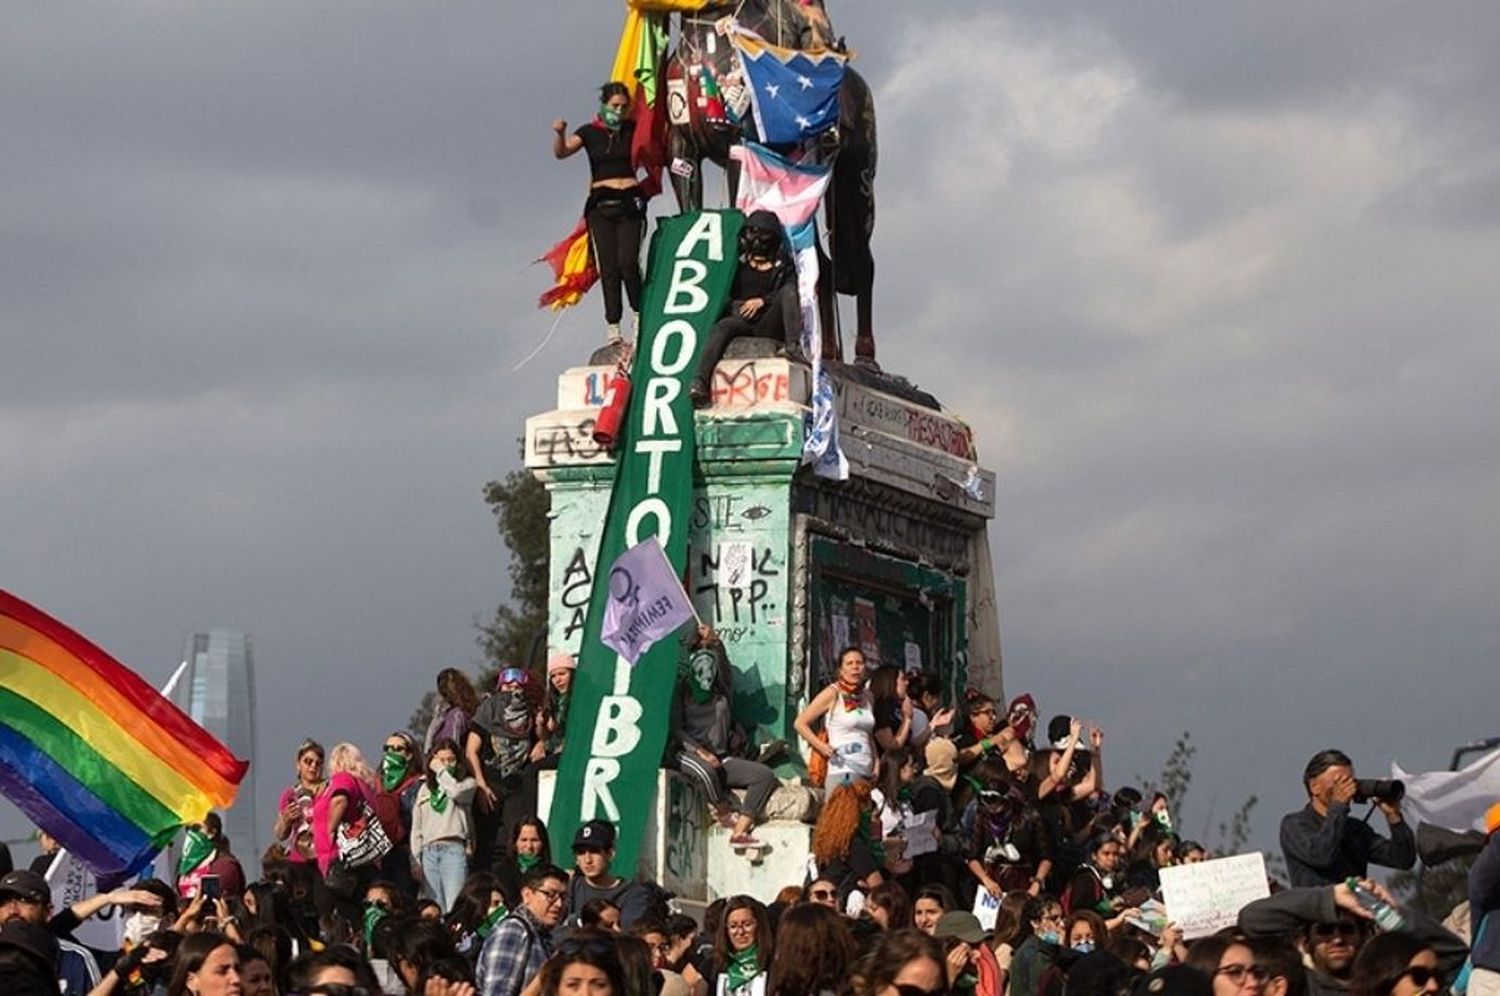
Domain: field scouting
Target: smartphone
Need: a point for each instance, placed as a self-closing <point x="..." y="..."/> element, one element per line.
<point x="209" y="886"/>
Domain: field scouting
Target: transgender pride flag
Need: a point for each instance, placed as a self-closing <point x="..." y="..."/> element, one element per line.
<point x="793" y="191"/>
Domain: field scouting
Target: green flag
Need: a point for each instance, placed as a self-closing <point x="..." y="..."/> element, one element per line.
<point x="617" y="726"/>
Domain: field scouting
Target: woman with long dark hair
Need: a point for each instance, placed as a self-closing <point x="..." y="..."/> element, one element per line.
<point x="743" y="948"/>
<point x="616" y="207"/>
<point x="206" y="964"/>
<point x="529" y="847"/>
<point x="293" y="829"/>
<point x="902" y="962"/>
<point x="814" y="953"/>
<point x="442" y="831"/>
<point x="588" y="962"/>
<point x="1396" y="964"/>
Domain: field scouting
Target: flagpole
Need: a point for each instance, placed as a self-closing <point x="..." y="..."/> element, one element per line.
<point x="166" y="693"/>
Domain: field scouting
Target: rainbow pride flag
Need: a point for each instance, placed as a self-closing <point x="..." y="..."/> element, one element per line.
<point x="94" y="755"/>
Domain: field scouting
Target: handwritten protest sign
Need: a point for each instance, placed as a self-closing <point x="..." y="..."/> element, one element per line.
<point x="1207" y="896"/>
<point x="986" y="909"/>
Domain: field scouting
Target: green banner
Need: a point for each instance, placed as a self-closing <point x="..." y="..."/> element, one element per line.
<point x="617" y="724"/>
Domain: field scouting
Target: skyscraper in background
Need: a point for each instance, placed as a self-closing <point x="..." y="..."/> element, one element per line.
<point x="217" y="689"/>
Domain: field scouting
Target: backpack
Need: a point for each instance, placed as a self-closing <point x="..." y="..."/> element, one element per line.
<point x="387" y="808"/>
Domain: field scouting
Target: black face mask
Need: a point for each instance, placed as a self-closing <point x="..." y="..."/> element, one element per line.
<point x="760" y="242"/>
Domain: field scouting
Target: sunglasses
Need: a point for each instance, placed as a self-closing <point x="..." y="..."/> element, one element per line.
<point x="909" y="990"/>
<point x="1420" y="975"/>
<point x="822" y="893"/>
<point x="512" y="676"/>
<point x="1237" y="973"/>
<point x="1341" y="929"/>
<point x="335" y="989"/>
<point x="398" y="748"/>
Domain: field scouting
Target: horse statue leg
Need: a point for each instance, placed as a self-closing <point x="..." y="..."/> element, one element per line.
<point x="854" y="209"/>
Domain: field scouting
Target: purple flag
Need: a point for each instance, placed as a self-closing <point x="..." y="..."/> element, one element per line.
<point x="646" y="600"/>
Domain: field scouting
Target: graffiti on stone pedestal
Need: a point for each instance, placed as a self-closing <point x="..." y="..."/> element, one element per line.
<point x="737" y="576"/>
<point x="686" y="825"/>
<point x="727" y="513"/>
<point x="577" y="585"/>
<point x="556" y="444"/>
<point x="747" y="384"/>
<point x="596" y="387"/>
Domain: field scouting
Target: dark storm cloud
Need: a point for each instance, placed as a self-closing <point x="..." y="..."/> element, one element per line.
<point x="1218" y="280"/>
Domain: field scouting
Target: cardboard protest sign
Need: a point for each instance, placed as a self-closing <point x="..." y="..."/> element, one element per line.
<point x="1204" y="897"/>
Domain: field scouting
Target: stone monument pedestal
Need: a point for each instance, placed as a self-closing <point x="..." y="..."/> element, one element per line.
<point x="789" y="567"/>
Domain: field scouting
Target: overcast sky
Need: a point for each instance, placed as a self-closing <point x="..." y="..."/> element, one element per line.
<point x="1215" y="285"/>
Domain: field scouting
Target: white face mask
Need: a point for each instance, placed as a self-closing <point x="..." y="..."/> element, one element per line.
<point x="138" y="925"/>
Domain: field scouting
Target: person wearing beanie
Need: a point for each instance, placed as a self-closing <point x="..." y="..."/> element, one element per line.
<point x="1484" y="900"/>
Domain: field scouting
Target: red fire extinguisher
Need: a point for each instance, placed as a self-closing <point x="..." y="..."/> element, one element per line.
<point x="612" y="415"/>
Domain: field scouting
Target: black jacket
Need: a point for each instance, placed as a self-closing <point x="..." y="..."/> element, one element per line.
<point x="1322" y="850"/>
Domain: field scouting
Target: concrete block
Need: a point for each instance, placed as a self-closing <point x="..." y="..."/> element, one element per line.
<point x="783" y="862"/>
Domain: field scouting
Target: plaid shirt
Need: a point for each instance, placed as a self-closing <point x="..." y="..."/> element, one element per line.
<point x="513" y="954"/>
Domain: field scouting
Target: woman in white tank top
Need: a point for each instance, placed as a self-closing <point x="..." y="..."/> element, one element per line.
<point x="848" y="714"/>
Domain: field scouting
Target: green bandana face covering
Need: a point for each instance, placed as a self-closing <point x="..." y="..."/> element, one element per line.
<point x="609" y="116"/>
<point x="743" y="966"/>
<point x="488" y="923"/>
<point x="526" y="862"/>
<point x="392" y="769"/>
<point x="437" y="798"/>
<point x="196" y="849"/>
<point x="373" y="915"/>
<point x="702" y="669"/>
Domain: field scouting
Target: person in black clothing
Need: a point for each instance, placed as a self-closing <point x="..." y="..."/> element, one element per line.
<point x="763" y="303"/>
<point x="1323" y="845"/>
<point x="616" y="206"/>
<point x="702" y="728"/>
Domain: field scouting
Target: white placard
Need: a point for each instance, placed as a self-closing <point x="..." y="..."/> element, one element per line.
<point x="734" y="565"/>
<point x="1208" y="896"/>
<point x="71" y="883"/>
<point x="913" y="656"/>
<point x="986" y="908"/>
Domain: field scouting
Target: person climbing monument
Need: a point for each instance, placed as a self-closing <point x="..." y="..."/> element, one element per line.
<point x="763" y="302"/>
<point x="616" y="206"/>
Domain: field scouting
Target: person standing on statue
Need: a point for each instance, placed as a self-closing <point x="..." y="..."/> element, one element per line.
<point x="616" y="206"/>
<point x="764" y="301"/>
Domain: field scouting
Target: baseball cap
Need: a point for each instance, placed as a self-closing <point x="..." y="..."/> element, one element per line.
<point x="960" y="924"/>
<point x="27" y="884"/>
<point x="595" y="835"/>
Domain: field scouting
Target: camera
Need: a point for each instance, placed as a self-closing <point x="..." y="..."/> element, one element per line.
<point x="1379" y="789"/>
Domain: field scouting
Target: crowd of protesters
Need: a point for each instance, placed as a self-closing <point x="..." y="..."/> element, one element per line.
<point x="429" y="872"/>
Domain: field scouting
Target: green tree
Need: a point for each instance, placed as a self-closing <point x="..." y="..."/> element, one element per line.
<point x="520" y="505"/>
<point x="1174" y="781"/>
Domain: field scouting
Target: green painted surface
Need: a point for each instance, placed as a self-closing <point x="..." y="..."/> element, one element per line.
<point x="746" y="597"/>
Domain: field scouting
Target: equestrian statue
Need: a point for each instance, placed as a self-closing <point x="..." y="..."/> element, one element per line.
<point x="702" y="65"/>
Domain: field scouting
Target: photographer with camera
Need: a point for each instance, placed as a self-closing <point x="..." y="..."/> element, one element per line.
<point x="1323" y="845"/>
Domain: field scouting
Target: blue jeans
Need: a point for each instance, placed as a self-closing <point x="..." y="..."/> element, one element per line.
<point x="444" y="866"/>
